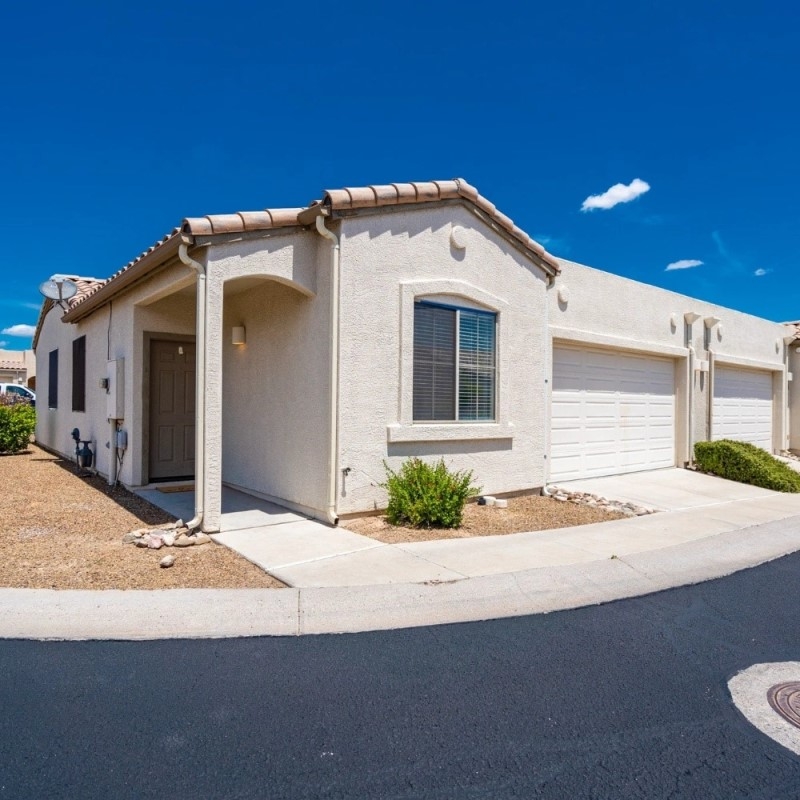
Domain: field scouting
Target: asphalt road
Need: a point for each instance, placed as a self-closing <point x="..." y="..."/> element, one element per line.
<point x="625" y="700"/>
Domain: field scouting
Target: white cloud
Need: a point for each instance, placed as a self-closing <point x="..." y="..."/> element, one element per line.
<point x="618" y="193"/>
<point x="684" y="263"/>
<point x="20" y="330"/>
<point x="761" y="272"/>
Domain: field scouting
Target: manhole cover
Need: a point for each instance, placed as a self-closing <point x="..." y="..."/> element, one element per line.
<point x="785" y="699"/>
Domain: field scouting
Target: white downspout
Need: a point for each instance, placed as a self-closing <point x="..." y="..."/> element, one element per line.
<point x="690" y="420"/>
<point x="332" y="515"/>
<point x="200" y="388"/>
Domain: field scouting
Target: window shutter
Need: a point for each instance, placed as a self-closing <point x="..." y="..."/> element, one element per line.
<point x="79" y="374"/>
<point x="434" y="362"/>
<point x="52" y="380"/>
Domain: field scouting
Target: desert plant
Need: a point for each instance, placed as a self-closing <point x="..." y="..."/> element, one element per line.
<point x="746" y="463"/>
<point x="425" y="495"/>
<point x="17" y="423"/>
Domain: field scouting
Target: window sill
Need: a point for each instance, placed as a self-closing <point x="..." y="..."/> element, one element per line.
<point x="449" y="431"/>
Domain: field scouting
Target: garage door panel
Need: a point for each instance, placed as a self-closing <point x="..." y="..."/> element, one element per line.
<point x="742" y="407"/>
<point x="620" y="408"/>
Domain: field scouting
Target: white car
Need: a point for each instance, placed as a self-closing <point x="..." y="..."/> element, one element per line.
<point x="21" y="393"/>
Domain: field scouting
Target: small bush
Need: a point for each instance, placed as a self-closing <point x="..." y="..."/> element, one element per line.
<point x="17" y="423"/>
<point x="746" y="463"/>
<point x="427" y="496"/>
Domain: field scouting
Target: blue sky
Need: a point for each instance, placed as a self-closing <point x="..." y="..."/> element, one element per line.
<point x="120" y="121"/>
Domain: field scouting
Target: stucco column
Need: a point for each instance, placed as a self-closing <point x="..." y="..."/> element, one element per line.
<point x="213" y="404"/>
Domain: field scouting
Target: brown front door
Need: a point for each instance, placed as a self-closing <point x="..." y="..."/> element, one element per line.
<point x="172" y="410"/>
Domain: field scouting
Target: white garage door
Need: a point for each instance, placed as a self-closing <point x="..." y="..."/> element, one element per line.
<point x="742" y="406"/>
<point x="611" y="413"/>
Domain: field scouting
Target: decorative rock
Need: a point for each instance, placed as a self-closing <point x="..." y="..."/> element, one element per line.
<point x="154" y="542"/>
<point x="178" y="524"/>
<point x="139" y="532"/>
<point x="129" y="538"/>
<point x="167" y="561"/>
<point x="628" y="509"/>
<point x="201" y="538"/>
<point x="168" y="539"/>
<point x="140" y="542"/>
<point x="184" y="541"/>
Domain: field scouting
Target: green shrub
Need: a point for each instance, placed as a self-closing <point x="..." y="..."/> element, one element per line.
<point x="17" y="423"/>
<point x="427" y="496"/>
<point x="746" y="463"/>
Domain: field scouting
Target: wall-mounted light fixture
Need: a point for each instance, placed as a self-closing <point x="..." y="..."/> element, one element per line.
<point x="710" y="322"/>
<point x="691" y="317"/>
<point x="788" y="339"/>
<point x="563" y="295"/>
<point x="239" y="335"/>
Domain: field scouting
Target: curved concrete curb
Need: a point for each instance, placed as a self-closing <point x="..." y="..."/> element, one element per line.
<point x="218" y="613"/>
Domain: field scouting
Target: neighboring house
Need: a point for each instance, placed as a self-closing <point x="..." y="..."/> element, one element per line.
<point x="18" y="366"/>
<point x="385" y="322"/>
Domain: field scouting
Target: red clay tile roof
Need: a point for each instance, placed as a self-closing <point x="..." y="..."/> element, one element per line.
<point x="393" y="194"/>
<point x="241" y="221"/>
<point x="6" y="363"/>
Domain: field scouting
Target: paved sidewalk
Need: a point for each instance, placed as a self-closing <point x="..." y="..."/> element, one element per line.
<point x="305" y="553"/>
<point x="348" y="583"/>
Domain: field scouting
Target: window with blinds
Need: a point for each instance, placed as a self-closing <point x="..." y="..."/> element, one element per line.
<point x="79" y="374"/>
<point x="454" y="363"/>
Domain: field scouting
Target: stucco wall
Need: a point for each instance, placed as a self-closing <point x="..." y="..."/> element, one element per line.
<point x="602" y="309"/>
<point x="389" y="259"/>
<point x="273" y="392"/>
<point x="53" y="426"/>
<point x="275" y="395"/>
<point x="112" y="332"/>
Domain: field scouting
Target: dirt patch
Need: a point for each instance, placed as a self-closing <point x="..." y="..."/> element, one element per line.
<point x="59" y="531"/>
<point x="532" y="513"/>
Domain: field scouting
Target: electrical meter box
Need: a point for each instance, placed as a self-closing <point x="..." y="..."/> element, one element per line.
<point x="115" y="399"/>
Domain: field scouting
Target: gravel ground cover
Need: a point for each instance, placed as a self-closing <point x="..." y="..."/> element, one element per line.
<point x="530" y="513"/>
<point x="60" y="531"/>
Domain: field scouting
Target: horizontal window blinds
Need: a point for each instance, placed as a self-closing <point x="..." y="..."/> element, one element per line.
<point x="476" y="366"/>
<point x="434" y="360"/>
<point x="454" y="363"/>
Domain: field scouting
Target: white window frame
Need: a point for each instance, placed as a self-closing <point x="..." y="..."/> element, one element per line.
<point x="465" y="295"/>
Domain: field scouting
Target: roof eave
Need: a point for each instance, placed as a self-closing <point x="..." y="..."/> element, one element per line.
<point x="151" y="261"/>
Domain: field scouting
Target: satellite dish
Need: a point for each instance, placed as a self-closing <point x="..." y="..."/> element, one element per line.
<point x="58" y="289"/>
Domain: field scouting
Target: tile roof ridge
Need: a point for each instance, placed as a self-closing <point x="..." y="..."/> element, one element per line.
<point x="241" y="221"/>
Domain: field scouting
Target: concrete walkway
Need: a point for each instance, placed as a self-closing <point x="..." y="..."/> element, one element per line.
<point x="342" y="582"/>
<point x="304" y="553"/>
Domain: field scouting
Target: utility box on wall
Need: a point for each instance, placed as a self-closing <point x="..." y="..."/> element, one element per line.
<point x="115" y="400"/>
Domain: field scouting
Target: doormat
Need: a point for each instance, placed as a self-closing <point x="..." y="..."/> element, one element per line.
<point x="171" y="489"/>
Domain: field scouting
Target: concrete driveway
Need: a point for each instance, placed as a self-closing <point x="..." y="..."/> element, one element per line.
<point x="668" y="489"/>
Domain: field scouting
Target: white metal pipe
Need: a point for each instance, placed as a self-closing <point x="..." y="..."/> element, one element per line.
<point x="690" y="393"/>
<point x="332" y="514"/>
<point x="200" y="389"/>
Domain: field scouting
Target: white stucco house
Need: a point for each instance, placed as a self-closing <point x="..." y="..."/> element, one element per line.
<point x="291" y="352"/>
